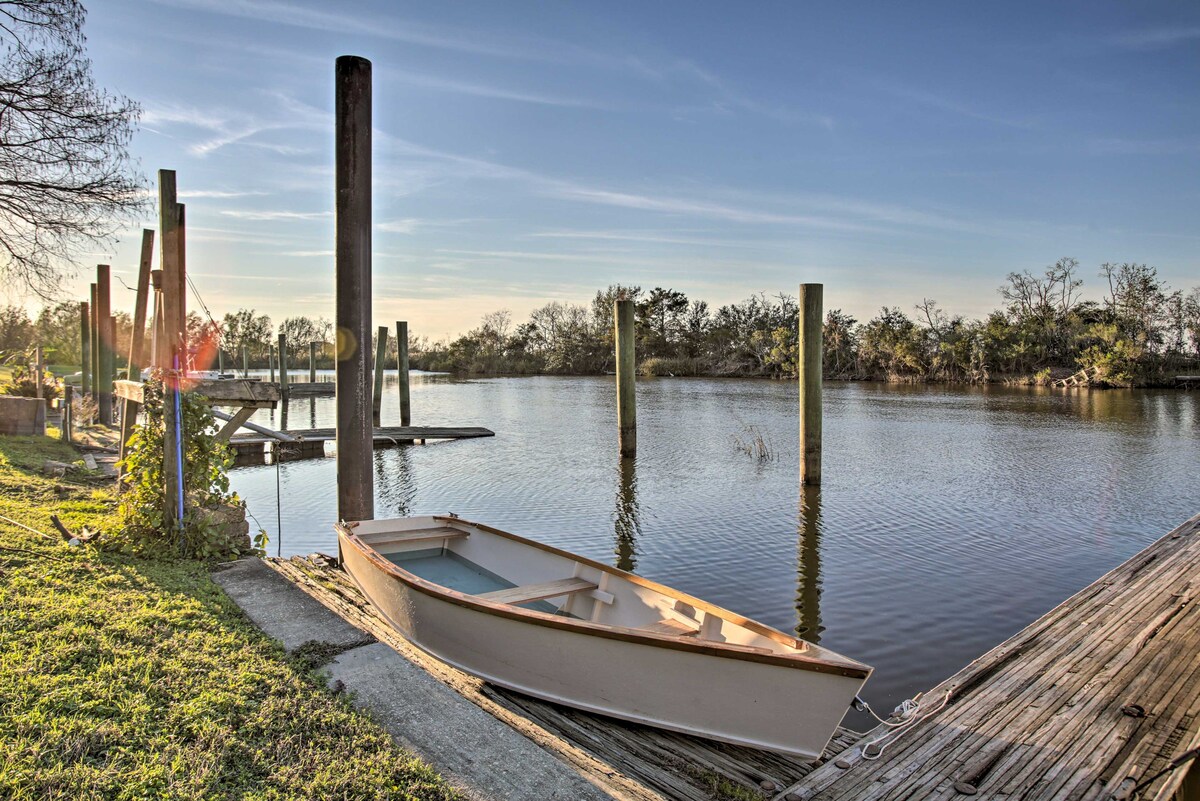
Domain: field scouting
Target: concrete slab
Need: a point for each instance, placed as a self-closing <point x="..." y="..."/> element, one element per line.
<point x="481" y="755"/>
<point x="472" y="749"/>
<point x="282" y="610"/>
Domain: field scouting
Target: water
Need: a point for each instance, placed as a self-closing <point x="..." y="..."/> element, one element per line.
<point x="949" y="519"/>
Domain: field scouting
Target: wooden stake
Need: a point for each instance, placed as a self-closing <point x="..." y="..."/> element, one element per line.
<point x="245" y="360"/>
<point x="158" y="337"/>
<point x="104" y="371"/>
<point x="85" y="347"/>
<point x="626" y="386"/>
<point x="381" y="341"/>
<point x="809" y="369"/>
<point x="68" y="415"/>
<point x="312" y="362"/>
<point x="402" y="369"/>
<point x="137" y="347"/>
<point x="352" y="137"/>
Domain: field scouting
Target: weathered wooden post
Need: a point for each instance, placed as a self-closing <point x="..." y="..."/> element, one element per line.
<point x="94" y="339"/>
<point x="312" y="362"/>
<point x="271" y="362"/>
<point x="220" y="358"/>
<point x="402" y="369"/>
<point x="283" y="367"/>
<point x="808" y="365"/>
<point x="245" y="360"/>
<point x="104" y="371"/>
<point x="626" y="386"/>
<point x="352" y="141"/>
<point x="808" y="594"/>
<point x="85" y="347"/>
<point x="381" y="342"/>
<point x="39" y="361"/>
<point x="137" y="341"/>
<point x="158" y="336"/>
<point x="68" y="414"/>
<point x="172" y="255"/>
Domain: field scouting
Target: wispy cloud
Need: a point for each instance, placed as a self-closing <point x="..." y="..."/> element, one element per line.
<point x="216" y="193"/>
<point x="952" y="106"/>
<point x="1155" y="38"/>
<point x="256" y="215"/>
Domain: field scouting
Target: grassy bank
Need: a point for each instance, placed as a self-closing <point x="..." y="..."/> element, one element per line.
<point x="124" y="678"/>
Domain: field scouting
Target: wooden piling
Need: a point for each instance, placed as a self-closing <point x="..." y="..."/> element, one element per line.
<point x="283" y="367"/>
<point x="39" y="361"/>
<point x="137" y="345"/>
<point x="402" y="370"/>
<point x="68" y="413"/>
<point x="220" y="358"/>
<point x="352" y="138"/>
<point x="271" y="362"/>
<point x="171" y="258"/>
<point x="85" y="347"/>
<point x="381" y="341"/>
<point x="158" y="336"/>
<point x="626" y="386"/>
<point x="245" y="360"/>
<point x="104" y="371"/>
<point x="312" y="362"/>
<point x="94" y="339"/>
<point x="808" y="365"/>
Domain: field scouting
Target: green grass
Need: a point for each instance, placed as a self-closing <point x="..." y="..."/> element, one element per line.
<point x="122" y="678"/>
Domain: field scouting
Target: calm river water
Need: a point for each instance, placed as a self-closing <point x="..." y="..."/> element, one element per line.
<point x="949" y="518"/>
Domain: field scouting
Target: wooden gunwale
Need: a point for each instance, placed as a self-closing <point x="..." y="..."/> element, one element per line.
<point x="727" y="650"/>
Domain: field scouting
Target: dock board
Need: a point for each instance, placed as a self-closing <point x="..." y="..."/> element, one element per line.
<point x="629" y="760"/>
<point x="1095" y="697"/>
<point x="310" y="442"/>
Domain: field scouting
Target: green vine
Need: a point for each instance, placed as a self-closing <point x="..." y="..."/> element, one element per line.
<point x="146" y="529"/>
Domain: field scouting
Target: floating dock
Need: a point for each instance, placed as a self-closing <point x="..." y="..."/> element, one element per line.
<point x="310" y="443"/>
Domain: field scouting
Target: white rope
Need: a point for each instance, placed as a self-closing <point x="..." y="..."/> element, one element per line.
<point x="909" y="713"/>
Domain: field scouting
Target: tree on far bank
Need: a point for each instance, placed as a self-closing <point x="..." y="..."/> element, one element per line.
<point x="66" y="179"/>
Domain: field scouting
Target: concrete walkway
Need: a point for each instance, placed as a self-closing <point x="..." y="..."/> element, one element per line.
<point x="473" y="750"/>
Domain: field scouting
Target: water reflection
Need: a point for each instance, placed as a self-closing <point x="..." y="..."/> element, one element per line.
<point x="394" y="484"/>
<point x="808" y="591"/>
<point x="626" y="523"/>
<point x="312" y="412"/>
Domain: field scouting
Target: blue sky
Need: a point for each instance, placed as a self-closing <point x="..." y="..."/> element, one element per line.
<point x="534" y="152"/>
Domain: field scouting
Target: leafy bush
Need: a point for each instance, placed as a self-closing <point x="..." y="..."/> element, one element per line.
<point x="143" y="508"/>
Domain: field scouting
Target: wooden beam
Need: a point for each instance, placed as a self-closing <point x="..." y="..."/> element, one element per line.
<point x="283" y="366"/>
<point x="234" y="392"/>
<point x="94" y="339"/>
<point x="352" y="181"/>
<point x="235" y="421"/>
<point x="312" y="362"/>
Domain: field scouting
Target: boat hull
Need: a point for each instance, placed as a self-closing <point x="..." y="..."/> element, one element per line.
<point x="757" y="703"/>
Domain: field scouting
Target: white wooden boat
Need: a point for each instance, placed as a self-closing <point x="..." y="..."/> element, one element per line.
<point x="574" y="631"/>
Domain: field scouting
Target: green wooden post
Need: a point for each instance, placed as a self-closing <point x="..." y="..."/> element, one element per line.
<point x="381" y="337"/>
<point x="402" y="369"/>
<point x="626" y="386"/>
<point x="809" y="369"/>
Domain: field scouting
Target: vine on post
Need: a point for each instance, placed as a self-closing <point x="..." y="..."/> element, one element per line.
<point x="143" y="505"/>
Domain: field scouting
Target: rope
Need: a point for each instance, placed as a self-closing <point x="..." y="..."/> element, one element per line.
<point x="909" y="713"/>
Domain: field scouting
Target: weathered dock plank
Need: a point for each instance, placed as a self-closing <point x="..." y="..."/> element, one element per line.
<point x="631" y="761"/>
<point x="1088" y="702"/>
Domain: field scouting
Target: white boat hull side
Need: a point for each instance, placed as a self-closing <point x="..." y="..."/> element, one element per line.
<point x="757" y="704"/>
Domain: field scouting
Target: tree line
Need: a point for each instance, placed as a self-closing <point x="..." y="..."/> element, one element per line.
<point x="1139" y="333"/>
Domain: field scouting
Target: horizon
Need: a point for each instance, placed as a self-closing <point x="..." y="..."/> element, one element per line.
<point x="524" y="155"/>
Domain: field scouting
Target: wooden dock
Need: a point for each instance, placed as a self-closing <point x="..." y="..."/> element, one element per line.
<point x="311" y="389"/>
<point x="628" y="760"/>
<point x="310" y="442"/>
<point x="1083" y="378"/>
<point x="1088" y="702"/>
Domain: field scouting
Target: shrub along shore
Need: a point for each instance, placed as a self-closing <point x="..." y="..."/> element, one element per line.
<point x="129" y="678"/>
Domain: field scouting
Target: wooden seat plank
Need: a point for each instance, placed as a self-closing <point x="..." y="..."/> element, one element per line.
<point x="539" y="592"/>
<point x="415" y="535"/>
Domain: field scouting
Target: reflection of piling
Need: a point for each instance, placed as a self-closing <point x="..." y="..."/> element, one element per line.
<point x="808" y="366"/>
<point x="626" y="520"/>
<point x="85" y="347"/>
<point x="381" y="342"/>
<point x="402" y="371"/>
<point x="352" y="181"/>
<point x="808" y="592"/>
<point x="626" y="403"/>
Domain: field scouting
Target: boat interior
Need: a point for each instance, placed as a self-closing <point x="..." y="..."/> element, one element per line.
<point x="501" y="568"/>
